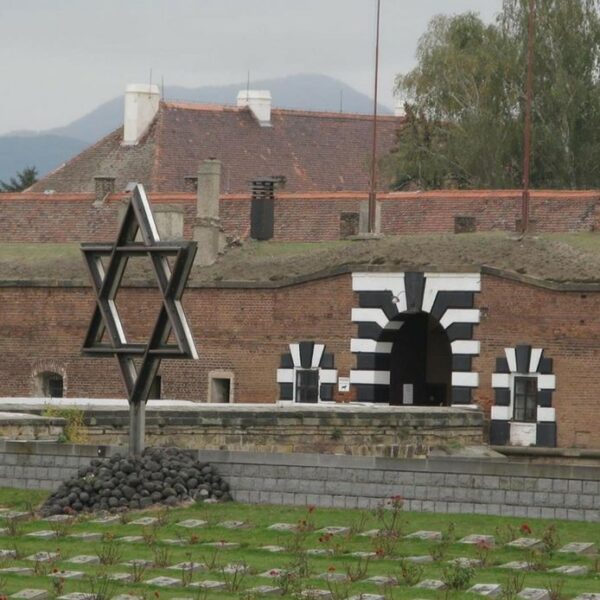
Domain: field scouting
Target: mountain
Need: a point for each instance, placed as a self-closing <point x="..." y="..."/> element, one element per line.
<point x="43" y="151"/>
<point x="48" y="149"/>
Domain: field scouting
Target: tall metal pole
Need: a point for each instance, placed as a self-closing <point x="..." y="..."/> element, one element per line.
<point x="527" y="124"/>
<point x="373" y="184"/>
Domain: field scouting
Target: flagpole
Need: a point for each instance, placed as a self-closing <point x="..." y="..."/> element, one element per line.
<point x="373" y="186"/>
<point x="527" y="124"/>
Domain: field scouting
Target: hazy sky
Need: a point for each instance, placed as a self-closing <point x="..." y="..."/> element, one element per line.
<point x="61" y="58"/>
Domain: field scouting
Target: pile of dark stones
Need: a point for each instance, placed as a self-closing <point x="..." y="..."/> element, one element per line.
<point x="167" y="476"/>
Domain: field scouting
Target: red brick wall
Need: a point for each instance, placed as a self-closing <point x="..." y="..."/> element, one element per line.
<point x="565" y="325"/>
<point x="435" y="212"/>
<point x="42" y="328"/>
<point x="302" y="217"/>
<point x="45" y="219"/>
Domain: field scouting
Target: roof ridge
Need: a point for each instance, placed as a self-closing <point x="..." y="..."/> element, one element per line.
<point x="157" y="123"/>
<point x="210" y="106"/>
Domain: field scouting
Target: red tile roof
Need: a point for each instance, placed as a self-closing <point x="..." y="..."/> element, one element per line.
<point x="315" y="151"/>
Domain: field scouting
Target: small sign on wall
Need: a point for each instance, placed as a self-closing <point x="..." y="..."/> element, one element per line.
<point x="344" y="384"/>
<point x="407" y="393"/>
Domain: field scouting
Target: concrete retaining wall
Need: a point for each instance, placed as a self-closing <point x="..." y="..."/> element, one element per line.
<point x="395" y="431"/>
<point x="448" y="485"/>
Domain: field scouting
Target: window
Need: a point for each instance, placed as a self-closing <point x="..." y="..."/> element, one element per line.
<point x="525" y="399"/>
<point x="50" y="385"/>
<point x="221" y="386"/>
<point x="155" y="389"/>
<point x="307" y="385"/>
<point x="221" y="389"/>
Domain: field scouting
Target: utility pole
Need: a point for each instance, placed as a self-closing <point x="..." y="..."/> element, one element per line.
<point x="373" y="182"/>
<point x="527" y="124"/>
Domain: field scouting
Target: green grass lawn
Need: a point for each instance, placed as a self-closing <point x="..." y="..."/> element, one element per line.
<point x="255" y="535"/>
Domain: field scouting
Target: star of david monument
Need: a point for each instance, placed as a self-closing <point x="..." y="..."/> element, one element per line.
<point x="139" y="362"/>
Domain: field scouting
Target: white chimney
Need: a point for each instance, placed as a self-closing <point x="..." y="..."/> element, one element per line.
<point x="400" y="98"/>
<point x="259" y="102"/>
<point x="399" y="107"/>
<point x="141" y="104"/>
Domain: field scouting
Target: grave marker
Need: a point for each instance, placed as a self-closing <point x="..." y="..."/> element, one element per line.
<point x="163" y="581"/>
<point x="17" y="571"/>
<point x="490" y="590"/>
<point x="425" y="558"/>
<point x="43" y="556"/>
<point x="525" y="543"/>
<point x="570" y="570"/>
<point x="283" y="527"/>
<point x="30" y="594"/>
<point x="43" y="534"/>
<point x="85" y="559"/>
<point x="130" y="539"/>
<point x="193" y="567"/>
<point x="431" y="584"/>
<point x="121" y="577"/>
<point x="517" y="565"/>
<point x="533" y="594"/>
<point x="232" y="524"/>
<point x="209" y="585"/>
<point x="424" y="535"/>
<point x="316" y="594"/>
<point x="477" y="538"/>
<point x="67" y="574"/>
<point x="192" y="523"/>
<point x="86" y="536"/>
<point x="381" y="580"/>
<point x="334" y="530"/>
<point x="265" y="590"/>
<point x="579" y="548"/>
<point x="273" y="548"/>
<point x="144" y="521"/>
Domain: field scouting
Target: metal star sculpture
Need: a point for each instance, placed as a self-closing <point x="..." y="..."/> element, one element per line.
<point x="171" y="318"/>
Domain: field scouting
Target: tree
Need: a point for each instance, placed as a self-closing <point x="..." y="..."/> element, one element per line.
<point x="467" y="92"/>
<point x="25" y="178"/>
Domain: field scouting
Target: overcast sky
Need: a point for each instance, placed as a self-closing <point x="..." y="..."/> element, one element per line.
<point x="61" y="58"/>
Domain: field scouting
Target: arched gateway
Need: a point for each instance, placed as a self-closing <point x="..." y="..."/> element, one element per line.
<point x="415" y="337"/>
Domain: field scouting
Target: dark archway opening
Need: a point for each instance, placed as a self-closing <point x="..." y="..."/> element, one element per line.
<point x="420" y="362"/>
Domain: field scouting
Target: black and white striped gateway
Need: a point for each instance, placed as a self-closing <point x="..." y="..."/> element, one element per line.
<point x="415" y="339"/>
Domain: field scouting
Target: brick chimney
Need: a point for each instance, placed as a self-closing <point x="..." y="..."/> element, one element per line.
<point x="141" y="105"/>
<point x="262" y="208"/>
<point x="259" y="102"/>
<point x="207" y="224"/>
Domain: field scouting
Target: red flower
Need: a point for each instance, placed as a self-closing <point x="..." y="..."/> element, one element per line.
<point x="311" y="508"/>
<point x="525" y="529"/>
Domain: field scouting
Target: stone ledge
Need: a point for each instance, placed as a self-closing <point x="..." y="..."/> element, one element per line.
<point x="11" y="418"/>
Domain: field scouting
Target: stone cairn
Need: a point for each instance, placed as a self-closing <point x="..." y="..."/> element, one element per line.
<point x="166" y="476"/>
